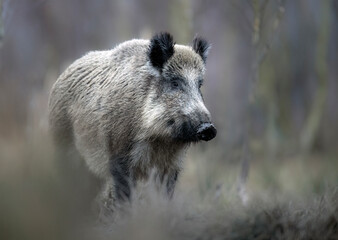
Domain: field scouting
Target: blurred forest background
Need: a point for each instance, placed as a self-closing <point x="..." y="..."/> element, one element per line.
<point x="271" y="86"/>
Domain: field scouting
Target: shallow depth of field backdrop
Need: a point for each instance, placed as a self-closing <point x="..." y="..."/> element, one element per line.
<point x="271" y="87"/>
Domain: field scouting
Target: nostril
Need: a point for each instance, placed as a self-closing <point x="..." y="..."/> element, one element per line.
<point x="206" y="132"/>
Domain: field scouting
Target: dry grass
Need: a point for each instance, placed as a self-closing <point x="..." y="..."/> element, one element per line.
<point x="291" y="199"/>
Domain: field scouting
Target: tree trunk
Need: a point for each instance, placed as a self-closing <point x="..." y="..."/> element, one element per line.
<point x="310" y="130"/>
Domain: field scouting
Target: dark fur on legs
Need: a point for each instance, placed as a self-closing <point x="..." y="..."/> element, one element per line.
<point x="120" y="171"/>
<point x="171" y="182"/>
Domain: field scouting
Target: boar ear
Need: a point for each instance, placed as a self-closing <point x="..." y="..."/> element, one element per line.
<point x="202" y="47"/>
<point x="161" y="49"/>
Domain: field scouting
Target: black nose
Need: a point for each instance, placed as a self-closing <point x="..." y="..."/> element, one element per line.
<point x="206" y="132"/>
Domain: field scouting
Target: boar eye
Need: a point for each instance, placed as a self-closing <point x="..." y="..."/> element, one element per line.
<point x="200" y="83"/>
<point x="174" y="83"/>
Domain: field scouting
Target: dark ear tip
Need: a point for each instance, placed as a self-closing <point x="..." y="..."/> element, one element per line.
<point x="161" y="48"/>
<point x="202" y="47"/>
<point x="162" y="36"/>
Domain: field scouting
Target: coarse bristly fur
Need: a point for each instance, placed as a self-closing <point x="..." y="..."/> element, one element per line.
<point x="131" y="109"/>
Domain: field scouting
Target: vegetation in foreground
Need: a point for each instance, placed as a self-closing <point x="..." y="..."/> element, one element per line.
<point x="37" y="203"/>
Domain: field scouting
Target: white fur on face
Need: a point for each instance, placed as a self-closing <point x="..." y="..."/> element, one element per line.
<point x="152" y="118"/>
<point x="195" y="103"/>
<point x="152" y="112"/>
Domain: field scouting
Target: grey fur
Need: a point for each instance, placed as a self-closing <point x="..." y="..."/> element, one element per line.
<point x="124" y="116"/>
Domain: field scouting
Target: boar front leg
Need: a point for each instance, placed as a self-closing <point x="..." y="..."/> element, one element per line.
<point x="120" y="172"/>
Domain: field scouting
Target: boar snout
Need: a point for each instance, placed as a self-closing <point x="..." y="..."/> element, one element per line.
<point x="206" y="132"/>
